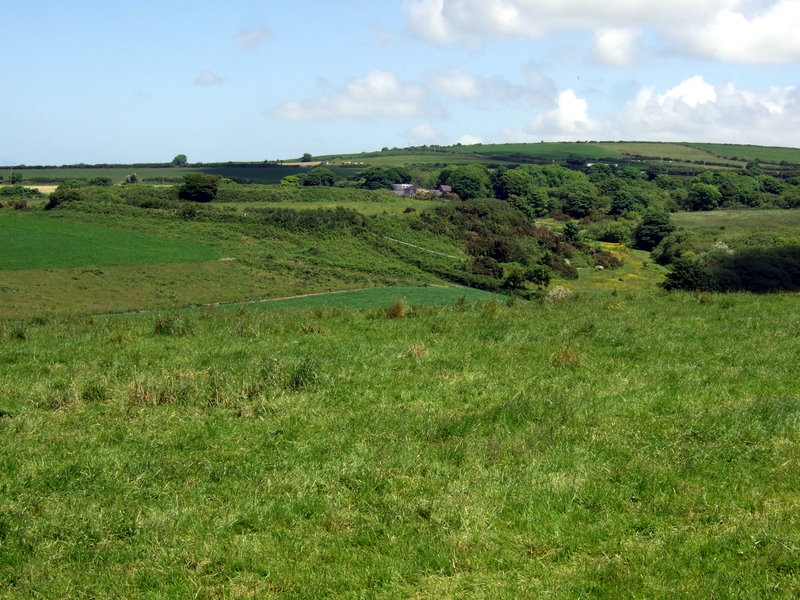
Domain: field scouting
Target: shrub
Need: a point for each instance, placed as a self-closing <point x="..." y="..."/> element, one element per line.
<point x="62" y="195"/>
<point x="397" y="310"/>
<point x="199" y="187"/>
<point x="485" y="265"/>
<point x="688" y="274"/>
<point x="655" y="226"/>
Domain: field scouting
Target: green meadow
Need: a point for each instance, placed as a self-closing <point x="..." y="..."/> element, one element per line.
<point x="31" y="243"/>
<point x="640" y="445"/>
<point x="735" y="227"/>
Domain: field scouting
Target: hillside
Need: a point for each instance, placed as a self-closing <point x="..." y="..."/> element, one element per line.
<point x="683" y="158"/>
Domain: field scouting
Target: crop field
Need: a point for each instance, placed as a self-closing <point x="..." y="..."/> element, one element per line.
<point x="675" y="152"/>
<point x="38" y="243"/>
<point x="748" y="153"/>
<point x="255" y="172"/>
<point x="634" y="446"/>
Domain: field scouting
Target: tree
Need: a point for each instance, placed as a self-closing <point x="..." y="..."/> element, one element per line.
<point x="514" y="182"/>
<point x="15" y="178"/>
<point x="131" y="178"/>
<point x="320" y="176"/>
<point x="306" y="157"/>
<point x="653" y="170"/>
<point x="580" y="198"/>
<point x="179" y="161"/>
<point x="688" y="274"/>
<point x="655" y="226"/>
<point x="471" y="181"/>
<point x="199" y="187"/>
<point x="673" y="247"/>
<point x="623" y="201"/>
<point x="290" y="181"/>
<point x="703" y="196"/>
<point x="376" y="178"/>
<point x="571" y="233"/>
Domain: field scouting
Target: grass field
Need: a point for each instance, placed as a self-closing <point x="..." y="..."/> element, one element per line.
<point x="630" y="446"/>
<point x="31" y="243"/>
<point x="364" y="207"/>
<point x="734" y="226"/>
<point x="748" y="153"/>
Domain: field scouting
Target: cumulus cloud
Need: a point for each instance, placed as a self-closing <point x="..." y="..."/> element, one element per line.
<point x="208" y="78"/>
<point x="377" y="94"/>
<point x="569" y="120"/>
<point x="692" y="110"/>
<point x="253" y="38"/>
<point x="770" y="36"/>
<point x="697" y="110"/>
<point x="616" y="46"/>
<point x="748" y="31"/>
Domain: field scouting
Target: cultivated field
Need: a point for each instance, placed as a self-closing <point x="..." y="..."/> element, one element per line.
<point x="748" y="153"/>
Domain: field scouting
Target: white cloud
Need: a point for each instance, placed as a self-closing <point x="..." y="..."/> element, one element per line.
<point x="253" y="38"/>
<point x="377" y="94"/>
<point x="616" y="46"/>
<point x="457" y="84"/>
<point x="425" y="131"/>
<point x="208" y="78"/>
<point x="692" y="110"/>
<point x="692" y="92"/>
<point x="569" y="120"/>
<point x="748" y="31"/>
<point x="771" y="36"/>
<point x="695" y="110"/>
<point x="469" y="140"/>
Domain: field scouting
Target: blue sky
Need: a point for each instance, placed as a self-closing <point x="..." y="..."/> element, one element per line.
<point x="89" y="81"/>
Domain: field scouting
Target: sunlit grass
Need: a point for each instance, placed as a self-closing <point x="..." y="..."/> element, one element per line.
<point x="632" y="446"/>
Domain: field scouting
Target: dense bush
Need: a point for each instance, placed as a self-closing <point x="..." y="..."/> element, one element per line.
<point x="654" y="227"/>
<point x="19" y="191"/>
<point x="754" y="270"/>
<point x="199" y="187"/>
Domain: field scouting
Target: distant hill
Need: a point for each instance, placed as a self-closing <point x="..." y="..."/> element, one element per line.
<point x="679" y="158"/>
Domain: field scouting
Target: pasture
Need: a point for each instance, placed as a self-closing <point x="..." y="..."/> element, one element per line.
<point x="735" y="226"/>
<point x="630" y="446"/>
<point x="39" y="243"/>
